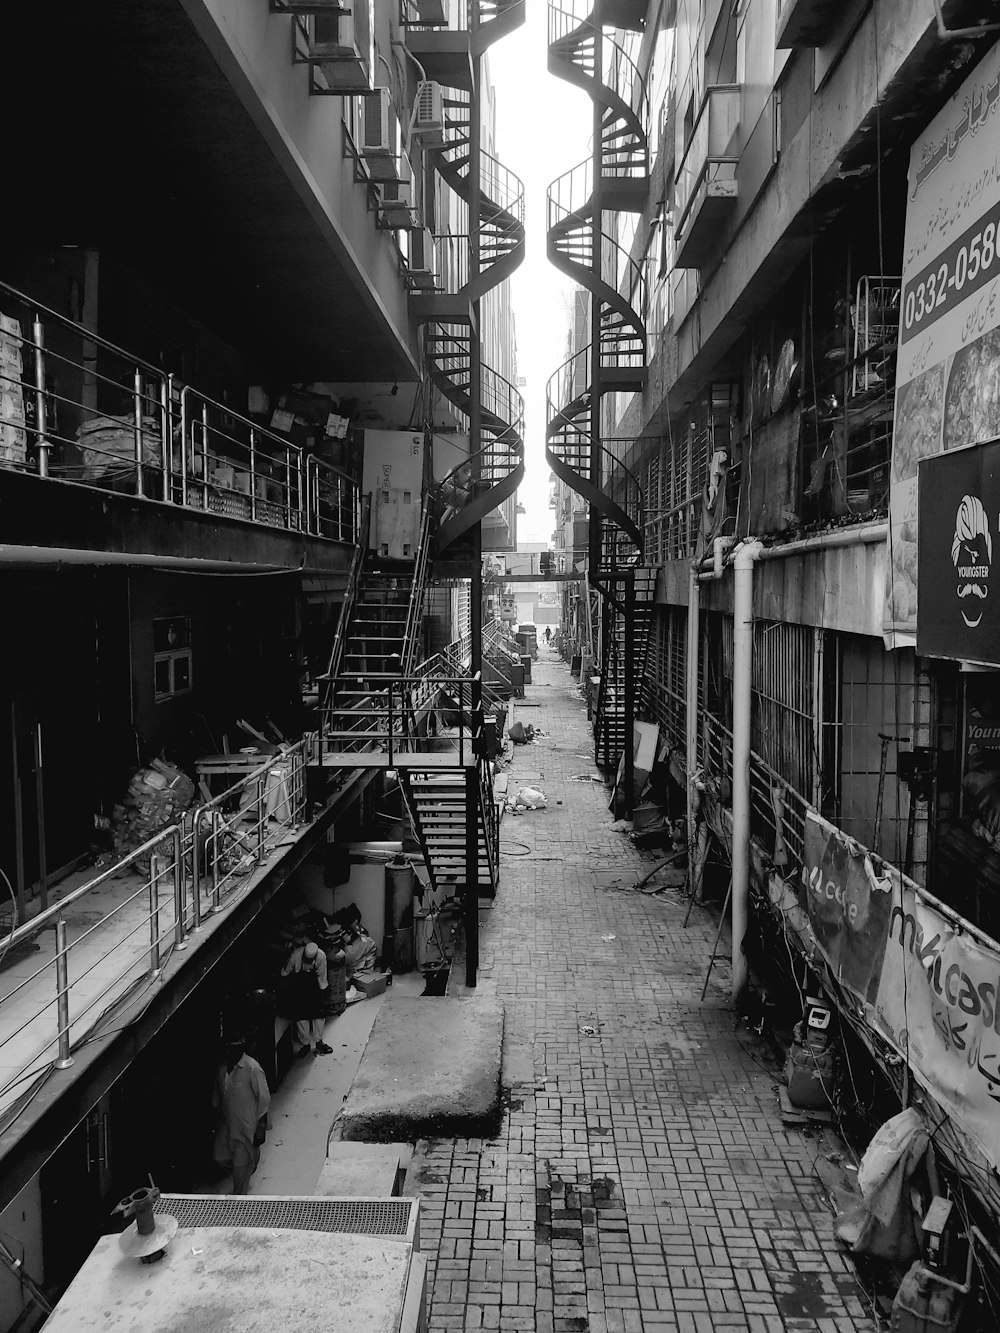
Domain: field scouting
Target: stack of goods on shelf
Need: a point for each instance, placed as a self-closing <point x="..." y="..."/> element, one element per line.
<point x="13" y="437"/>
<point x="157" y="797"/>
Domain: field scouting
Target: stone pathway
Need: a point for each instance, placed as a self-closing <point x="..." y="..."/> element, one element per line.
<point x="642" y="1178"/>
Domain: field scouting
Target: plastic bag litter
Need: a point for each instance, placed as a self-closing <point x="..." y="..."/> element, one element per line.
<point x="531" y="798"/>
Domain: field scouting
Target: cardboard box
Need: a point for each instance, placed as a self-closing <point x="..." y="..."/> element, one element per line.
<point x="371" y="983"/>
<point x="223" y="475"/>
<point x="12" y="407"/>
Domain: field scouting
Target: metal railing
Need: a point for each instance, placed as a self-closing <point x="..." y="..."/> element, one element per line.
<point x="414" y="611"/>
<point x="231" y="834"/>
<point x="78" y="408"/>
<point x="377" y="713"/>
<point x="847" y="441"/>
<point x="350" y="597"/>
<point x="169" y="885"/>
<point x="572" y="29"/>
<point x="713" y="149"/>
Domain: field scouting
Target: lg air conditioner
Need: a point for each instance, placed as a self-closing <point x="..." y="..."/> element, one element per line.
<point x="428" y="125"/>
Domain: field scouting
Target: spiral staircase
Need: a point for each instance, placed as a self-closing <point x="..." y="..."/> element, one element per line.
<point x="583" y="51"/>
<point x="496" y="468"/>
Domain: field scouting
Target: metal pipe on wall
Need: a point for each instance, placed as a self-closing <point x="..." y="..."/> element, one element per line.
<point x="692" y="717"/>
<point x="744" y="560"/>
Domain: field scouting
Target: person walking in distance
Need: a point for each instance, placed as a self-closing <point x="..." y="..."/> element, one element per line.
<point x="241" y="1101"/>
<point x="306" y="1005"/>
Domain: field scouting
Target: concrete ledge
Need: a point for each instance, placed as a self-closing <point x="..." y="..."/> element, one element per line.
<point x="431" y="1068"/>
<point x="362" y="1171"/>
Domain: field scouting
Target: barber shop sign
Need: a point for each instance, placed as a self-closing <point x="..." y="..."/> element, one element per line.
<point x="959" y="555"/>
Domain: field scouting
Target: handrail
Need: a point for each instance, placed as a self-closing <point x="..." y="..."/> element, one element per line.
<point x="334" y="502"/>
<point x="147" y="921"/>
<point x="132" y="428"/>
<point x="386" y="706"/>
<point x="411" y="634"/>
<point x="350" y="594"/>
<point x="223" y="839"/>
<point x="254" y="492"/>
<point x="620" y="75"/>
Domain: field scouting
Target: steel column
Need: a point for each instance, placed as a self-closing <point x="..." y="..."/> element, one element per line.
<point x="470" y="900"/>
<point x="629" y="704"/>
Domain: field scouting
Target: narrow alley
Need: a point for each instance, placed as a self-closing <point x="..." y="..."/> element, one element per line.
<point x="642" y="1178"/>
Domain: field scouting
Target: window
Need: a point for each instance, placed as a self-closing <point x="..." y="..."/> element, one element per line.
<point x="171" y="657"/>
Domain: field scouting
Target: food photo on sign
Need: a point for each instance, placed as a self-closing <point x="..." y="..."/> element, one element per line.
<point x="948" y="370"/>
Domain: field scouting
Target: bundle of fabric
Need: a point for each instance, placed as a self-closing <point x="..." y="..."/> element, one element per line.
<point x="107" y="444"/>
<point x="158" y="794"/>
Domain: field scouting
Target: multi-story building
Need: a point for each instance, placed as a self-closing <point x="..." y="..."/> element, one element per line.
<point x="788" y="236"/>
<point x="253" y="274"/>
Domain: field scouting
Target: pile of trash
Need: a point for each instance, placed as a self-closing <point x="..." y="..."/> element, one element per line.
<point x="527" y="798"/>
<point x="157" y="796"/>
<point x="521" y="734"/>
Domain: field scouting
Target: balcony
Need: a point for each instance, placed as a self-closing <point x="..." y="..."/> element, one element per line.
<point x="705" y="190"/>
<point x="805" y="23"/>
<point x="109" y="428"/>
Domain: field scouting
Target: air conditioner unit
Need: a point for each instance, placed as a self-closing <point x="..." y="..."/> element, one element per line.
<point x="428" y="125"/>
<point x="340" y="46"/>
<point x="421" y="274"/>
<point x="377" y="139"/>
<point x="395" y="211"/>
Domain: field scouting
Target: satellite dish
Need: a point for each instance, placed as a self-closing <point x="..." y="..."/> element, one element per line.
<point x="760" y="391"/>
<point x="784" y="373"/>
<point x="8" y="914"/>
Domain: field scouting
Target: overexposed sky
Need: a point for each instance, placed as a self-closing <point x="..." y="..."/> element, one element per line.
<point x="543" y="128"/>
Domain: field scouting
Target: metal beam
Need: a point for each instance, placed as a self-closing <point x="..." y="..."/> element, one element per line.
<point x="539" y="578"/>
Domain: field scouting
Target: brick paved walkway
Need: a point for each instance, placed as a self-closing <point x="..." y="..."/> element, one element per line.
<point x="642" y="1179"/>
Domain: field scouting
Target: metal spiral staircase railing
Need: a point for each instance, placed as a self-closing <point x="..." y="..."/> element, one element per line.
<point x="482" y="482"/>
<point x="486" y="21"/>
<point x="501" y="198"/>
<point x="618" y="87"/>
<point x="618" y="283"/>
<point x="585" y="52"/>
<point x="595" y="473"/>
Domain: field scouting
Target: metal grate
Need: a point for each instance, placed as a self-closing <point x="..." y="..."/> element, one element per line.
<point x="367" y="1217"/>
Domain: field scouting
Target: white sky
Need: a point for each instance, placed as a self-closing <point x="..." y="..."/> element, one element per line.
<point x="543" y="128"/>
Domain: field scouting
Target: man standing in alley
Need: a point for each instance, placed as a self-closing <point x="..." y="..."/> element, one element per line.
<point x="304" y="1000"/>
<point x="241" y="1100"/>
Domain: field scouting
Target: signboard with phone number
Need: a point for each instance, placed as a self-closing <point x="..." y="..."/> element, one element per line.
<point x="947" y="393"/>
<point x="966" y="265"/>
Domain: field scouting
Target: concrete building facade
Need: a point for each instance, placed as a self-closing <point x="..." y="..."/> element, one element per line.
<point x="797" y="189"/>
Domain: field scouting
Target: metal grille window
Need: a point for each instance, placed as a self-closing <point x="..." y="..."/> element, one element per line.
<point x="666" y="671"/>
<point x="876" y="696"/>
<point x="787" y="707"/>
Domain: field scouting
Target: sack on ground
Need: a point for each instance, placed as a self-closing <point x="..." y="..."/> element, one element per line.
<point x="531" y="798"/>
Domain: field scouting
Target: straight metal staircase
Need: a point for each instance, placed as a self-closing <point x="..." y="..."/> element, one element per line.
<point x="381" y="708"/>
<point x="611" y="717"/>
